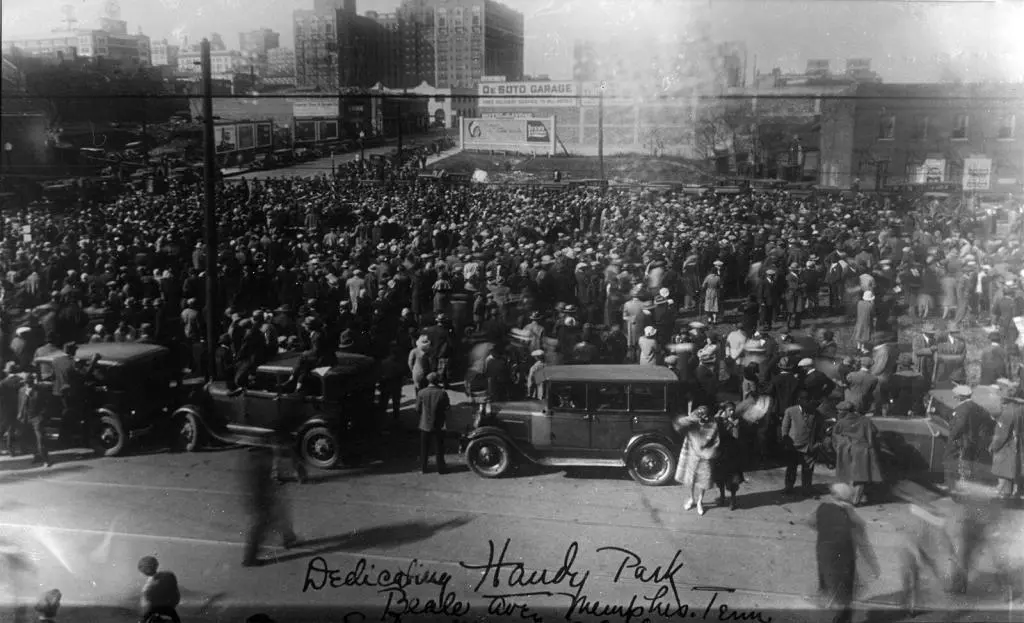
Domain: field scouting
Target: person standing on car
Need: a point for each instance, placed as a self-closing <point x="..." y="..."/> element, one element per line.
<point x="160" y="593"/>
<point x="69" y="379"/>
<point x="432" y="405"/>
<point x="33" y="415"/>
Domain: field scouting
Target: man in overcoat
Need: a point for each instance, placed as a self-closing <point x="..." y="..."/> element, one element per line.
<point x="924" y="351"/>
<point x="994" y="361"/>
<point x="861" y="386"/>
<point x="1007" y="448"/>
<point x="968" y="428"/>
<point x="432" y="405"/>
<point x="854" y="438"/>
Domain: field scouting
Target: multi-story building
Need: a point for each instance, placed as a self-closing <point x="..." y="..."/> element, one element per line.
<point x="475" y="38"/>
<point x="280" y="62"/>
<point x="112" y="41"/>
<point x="258" y="42"/>
<point x="316" y="47"/>
<point x="224" y="63"/>
<point x="964" y="135"/>
<point x="164" y="54"/>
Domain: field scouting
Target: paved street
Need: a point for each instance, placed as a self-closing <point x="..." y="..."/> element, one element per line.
<point x="85" y="523"/>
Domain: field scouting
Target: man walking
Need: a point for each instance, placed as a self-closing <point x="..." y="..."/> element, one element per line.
<point x="33" y="414"/>
<point x="968" y="426"/>
<point x="842" y="540"/>
<point x="266" y="507"/>
<point x="432" y="404"/>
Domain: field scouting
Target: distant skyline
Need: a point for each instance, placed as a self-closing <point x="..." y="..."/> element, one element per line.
<point x="908" y="41"/>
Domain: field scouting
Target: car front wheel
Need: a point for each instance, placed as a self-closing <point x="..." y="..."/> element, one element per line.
<point x="651" y="464"/>
<point x="489" y="457"/>
<point x="108" y="436"/>
<point x="319" y="447"/>
<point x="188" y="433"/>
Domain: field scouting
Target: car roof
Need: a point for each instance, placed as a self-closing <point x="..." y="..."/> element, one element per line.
<point x="111" y="353"/>
<point x="607" y="372"/>
<point x="347" y="363"/>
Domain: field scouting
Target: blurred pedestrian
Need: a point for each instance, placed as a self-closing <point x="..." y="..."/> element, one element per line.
<point x="10" y="386"/>
<point x="34" y="415"/>
<point x="969" y="427"/>
<point x="48" y="606"/>
<point x="1007" y="448"/>
<point x="432" y="405"/>
<point x="160" y="593"/>
<point x="267" y="508"/>
<point x="842" y="541"/>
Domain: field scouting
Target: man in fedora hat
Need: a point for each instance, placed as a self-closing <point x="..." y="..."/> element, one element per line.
<point x="994" y="361"/>
<point x="794" y="296"/>
<point x="908" y="388"/>
<point x="950" y="358"/>
<point x="768" y="298"/>
<point x="432" y="405"/>
<point x="861" y="386"/>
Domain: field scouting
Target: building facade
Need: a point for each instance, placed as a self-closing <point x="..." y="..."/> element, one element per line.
<point x="475" y="38"/>
<point x="113" y="42"/>
<point x="258" y="42"/>
<point x="164" y="54"/>
<point x="224" y="63"/>
<point x="281" y="62"/>
<point x="964" y="135"/>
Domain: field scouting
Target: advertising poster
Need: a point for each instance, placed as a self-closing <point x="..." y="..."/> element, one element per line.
<point x="224" y="137"/>
<point x="524" y="134"/>
<point x="263" y="135"/>
<point x="977" y="173"/>
<point x="537" y="131"/>
<point x="246" y="136"/>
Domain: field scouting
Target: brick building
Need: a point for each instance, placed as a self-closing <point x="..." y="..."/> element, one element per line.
<point x="965" y="135"/>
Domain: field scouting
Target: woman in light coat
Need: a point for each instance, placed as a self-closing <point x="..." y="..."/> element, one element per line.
<point x="865" y="320"/>
<point x="712" y="286"/>
<point x="700" y="448"/>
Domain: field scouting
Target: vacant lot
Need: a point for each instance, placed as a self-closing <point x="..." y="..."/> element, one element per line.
<point x="633" y="168"/>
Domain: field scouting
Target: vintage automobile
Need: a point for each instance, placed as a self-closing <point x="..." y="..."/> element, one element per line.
<point x="132" y="392"/>
<point x="593" y="415"/>
<point x="326" y="418"/>
<point x="914" y="448"/>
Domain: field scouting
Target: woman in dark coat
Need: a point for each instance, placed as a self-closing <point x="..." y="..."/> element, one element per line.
<point x="854" y="439"/>
<point x="841" y="537"/>
<point x="727" y="467"/>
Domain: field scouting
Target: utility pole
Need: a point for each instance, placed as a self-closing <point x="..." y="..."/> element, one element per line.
<point x="210" y="170"/>
<point x="401" y="105"/>
<point x="600" y="131"/>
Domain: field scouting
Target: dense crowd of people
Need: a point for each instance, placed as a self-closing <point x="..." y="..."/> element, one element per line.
<point x="487" y="284"/>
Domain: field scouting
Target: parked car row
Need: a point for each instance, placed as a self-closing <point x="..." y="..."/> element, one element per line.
<point x="136" y="391"/>
<point x="594" y="415"/>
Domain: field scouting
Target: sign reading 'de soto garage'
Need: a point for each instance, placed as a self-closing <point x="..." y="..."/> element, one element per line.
<point x="543" y="94"/>
<point x="528" y="135"/>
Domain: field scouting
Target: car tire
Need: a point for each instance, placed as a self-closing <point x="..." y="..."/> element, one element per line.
<point x="319" y="447"/>
<point x="489" y="457"/>
<point x="652" y="464"/>
<point x="188" y="433"/>
<point x="107" y="435"/>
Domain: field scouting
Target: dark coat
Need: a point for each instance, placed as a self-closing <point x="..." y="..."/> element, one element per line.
<point x="855" y="441"/>
<point x="818" y="385"/>
<point x="432" y="405"/>
<point x="994" y="364"/>
<point x="783" y="388"/>
<point x="907" y="390"/>
<point x="860" y="389"/>
<point x="969" y="430"/>
<point x="841" y="536"/>
<point x="1007" y="445"/>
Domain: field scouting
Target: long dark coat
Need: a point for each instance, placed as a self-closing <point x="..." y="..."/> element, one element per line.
<point x="841" y="534"/>
<point x="855" y="441"/>
<point x="1008" y="442"/>
<point x="727" y="467"/>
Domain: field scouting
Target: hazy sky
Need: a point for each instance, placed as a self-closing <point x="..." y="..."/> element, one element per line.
<point x="908" y="41"/>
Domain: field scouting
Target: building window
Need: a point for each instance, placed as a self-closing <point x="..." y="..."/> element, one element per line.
<point x="476" y="16"/>
<point x="920" y="128"/>
<point x="1007" y="126"/>
<point x="887" y="127"/>
<point x="960" y="124"/>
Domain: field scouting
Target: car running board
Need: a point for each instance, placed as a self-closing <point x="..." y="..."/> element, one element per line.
<point x="579" y="462"/>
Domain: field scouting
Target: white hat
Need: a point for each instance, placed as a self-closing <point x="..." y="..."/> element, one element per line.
<point x="806" y="362"/>
<point x="869" y="296"/>
<point x="650" y="331"/>
<point x="99" y="328"/>
<point x="664" y="292"/>
<point x="22" y="331"/>
<point x="842" y="491"/>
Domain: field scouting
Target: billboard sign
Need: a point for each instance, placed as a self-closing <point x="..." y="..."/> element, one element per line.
<point x="507" y="115"/>
<point x="307" y="108"/>
<point x="977" y="173"/>
<point x="246" y="136"/>
<point x="931" y="171"/>
<point x="305" y="131"/>
<point x="546" y="94"/>
<point x="530" y="135"/>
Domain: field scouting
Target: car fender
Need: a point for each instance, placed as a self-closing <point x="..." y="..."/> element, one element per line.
<point x="486" y="431"/>
<point x="640" y="438"/>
